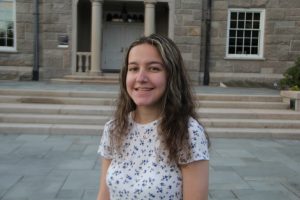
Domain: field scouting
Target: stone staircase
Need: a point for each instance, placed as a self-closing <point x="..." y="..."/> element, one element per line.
<point x="77" y="112"/>
<point x="105" y="78"/>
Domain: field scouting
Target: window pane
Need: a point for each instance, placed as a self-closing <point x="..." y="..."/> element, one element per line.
<point x="247" y="34"/>
<point x="10" y="25"/>
<point x="239" y="41"/>
<point x="240" y="33"/>
<point x="256" y="16"/>
<point x="256" y="25"/>
<point x="241" y="16"/>
<point x="254" y="50"/>
<point x="254" y="42"/>
<point x="231" y="49"/>
<point x="241" y="24"/>
<point x="10" y="34"/>
<point x="249" y="16"/>
<point x="2" y="33"/>
<point x="254" y="33"/>
<point x="10" y="42"/>
<point x="239" y="50"/>
<point x="6" y="10"/>
<point x="248" y="24"/>
<point x="246" y="50"/>
<point x="2" y="24"/>
<point x="233" y="16"/>
<point x="232" y="41"/>
<point x="233" y="24"/>
<point x="232" y="33"/>
<point x="247" y="42"/>
<point x="7" y="32"/>
<point x="2" y="42"/>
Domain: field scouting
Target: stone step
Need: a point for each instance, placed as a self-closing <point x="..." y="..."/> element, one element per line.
<point x="255" y="133"/>
<point x="108" y="110"/>
<point x="100" y="120"/>
<point x="105" y="78"/>
<point x="222" y="113"/>
<point x="58" y="93"/>
<point x="111" y="102"/>
<point x="85" y="112"/>
<point x="56" y="109"/>
<point x="242" y="104"/>
<point x="113" y="94"/>
<point x="92" y="81"/>
<point x="240" y="97"/>
<point x="53" y="119"/>
<point x="251" y="123"/>
<point x="16" y="128"/>
<point x="64" y="129"/>
<point x="57" y="100"/>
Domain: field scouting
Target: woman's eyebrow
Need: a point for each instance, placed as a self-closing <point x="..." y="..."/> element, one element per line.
<point x="132" y="63"/>
<point x="147" y="63"/>
<point x="155" y="62"/>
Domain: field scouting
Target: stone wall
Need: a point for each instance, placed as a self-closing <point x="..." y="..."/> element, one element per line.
<point x="281" y="45"/>
<point x="187" y="34"/>
<point x="55" y="20"/>
<point x="21" y="60"/>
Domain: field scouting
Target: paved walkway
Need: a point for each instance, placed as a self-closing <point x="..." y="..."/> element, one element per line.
<point x="57" y="167"/>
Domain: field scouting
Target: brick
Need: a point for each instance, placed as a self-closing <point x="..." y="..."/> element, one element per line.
<point x="295" y="45"/>
<point x="194" y="31"/>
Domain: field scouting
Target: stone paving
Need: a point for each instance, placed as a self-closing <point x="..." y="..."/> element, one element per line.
<point x="64" y="167"/>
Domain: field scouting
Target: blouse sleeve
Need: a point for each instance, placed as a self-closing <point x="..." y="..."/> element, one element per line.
<point x="105" y="147"/>
<point x="198" y="143"/>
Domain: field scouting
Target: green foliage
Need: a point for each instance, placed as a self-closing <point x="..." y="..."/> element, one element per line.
<point x="291" y="78"/>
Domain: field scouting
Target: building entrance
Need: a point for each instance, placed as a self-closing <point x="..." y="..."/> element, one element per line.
<point x="116" y="39"/>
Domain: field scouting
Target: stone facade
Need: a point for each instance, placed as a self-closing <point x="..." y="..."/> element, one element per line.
<point x="281" y="40"/>
<point x="187" y="34"/>
<point x="55" y="18"/>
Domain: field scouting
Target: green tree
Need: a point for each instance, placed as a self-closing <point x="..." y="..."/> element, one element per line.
<point x="291" y="78"/>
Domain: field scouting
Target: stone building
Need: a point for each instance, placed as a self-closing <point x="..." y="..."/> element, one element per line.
<point x="220" y="40"/>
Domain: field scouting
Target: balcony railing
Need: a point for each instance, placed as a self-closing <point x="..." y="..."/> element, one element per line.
<point x="83" y="62"/>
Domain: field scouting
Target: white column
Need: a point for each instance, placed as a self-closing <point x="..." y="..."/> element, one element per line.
<point x="74" y="35"/>
<point x="96" y="40"/>
<point x="149" y="17"/>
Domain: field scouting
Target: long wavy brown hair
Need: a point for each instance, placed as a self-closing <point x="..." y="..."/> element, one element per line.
<point x="177" y="102"/>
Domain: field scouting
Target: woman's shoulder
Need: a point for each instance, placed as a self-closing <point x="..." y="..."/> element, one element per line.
<point x="108" y="126"/>
<point x="110" y="122"/>
<point x="195" y="124"/>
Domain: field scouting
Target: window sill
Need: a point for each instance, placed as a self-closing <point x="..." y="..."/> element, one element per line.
<point x="243" y="58"/>
<point x="8" y="50"/>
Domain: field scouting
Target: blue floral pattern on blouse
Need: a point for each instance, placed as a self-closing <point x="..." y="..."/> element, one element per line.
<point x="142" y="171"/>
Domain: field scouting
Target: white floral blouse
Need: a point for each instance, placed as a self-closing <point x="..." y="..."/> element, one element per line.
<point x="141" y="171"/>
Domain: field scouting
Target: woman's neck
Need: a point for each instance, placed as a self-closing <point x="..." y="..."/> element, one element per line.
<point x="144" y="116"/>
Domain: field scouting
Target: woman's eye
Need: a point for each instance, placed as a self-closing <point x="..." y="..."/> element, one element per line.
<point x="154" y="69"/>
<point x="132" y="69"/>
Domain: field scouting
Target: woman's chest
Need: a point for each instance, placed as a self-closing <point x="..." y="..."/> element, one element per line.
<point x="142" y="172"/>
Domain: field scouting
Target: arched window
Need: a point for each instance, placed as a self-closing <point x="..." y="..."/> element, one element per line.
<point x="7" y="25"/>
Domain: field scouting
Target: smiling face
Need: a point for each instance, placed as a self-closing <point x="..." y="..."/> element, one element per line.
<point x="146" y="77"/>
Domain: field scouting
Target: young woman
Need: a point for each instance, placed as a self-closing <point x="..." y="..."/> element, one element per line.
<point x="154" y="148"/>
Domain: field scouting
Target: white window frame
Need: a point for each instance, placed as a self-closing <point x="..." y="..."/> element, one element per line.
<point x="260" y="54"/>
<point x="14" y="48"/>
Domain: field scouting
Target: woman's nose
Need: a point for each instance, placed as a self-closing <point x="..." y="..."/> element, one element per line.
<point x="142" y="76"/>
